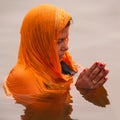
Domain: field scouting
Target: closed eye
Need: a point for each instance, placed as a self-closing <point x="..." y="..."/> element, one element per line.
<point x="60" y="40"/>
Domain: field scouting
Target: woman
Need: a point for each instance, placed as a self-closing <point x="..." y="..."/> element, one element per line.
<point x="45" y="67"/>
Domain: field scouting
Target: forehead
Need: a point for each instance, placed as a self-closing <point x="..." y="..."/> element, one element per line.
<point x="66" y="29"/>
<point x="65" y="32"/>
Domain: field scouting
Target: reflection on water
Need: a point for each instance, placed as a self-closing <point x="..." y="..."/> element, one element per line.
<point x="98" y="97"/>
<point x="58" y="108"/>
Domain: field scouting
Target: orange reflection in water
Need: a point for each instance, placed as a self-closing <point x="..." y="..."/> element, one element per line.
<point x="98" y="96"/>
<point x="57" y="108"/>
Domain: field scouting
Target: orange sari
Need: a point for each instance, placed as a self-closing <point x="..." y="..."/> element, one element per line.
<point x="38" y="69"/>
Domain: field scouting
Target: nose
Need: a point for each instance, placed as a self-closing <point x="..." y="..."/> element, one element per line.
<point x="65" y="46"/>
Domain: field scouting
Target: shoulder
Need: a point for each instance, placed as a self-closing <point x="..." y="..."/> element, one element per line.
<point x="21" y="80"/>
<point x="20" y="72"/>
<point x="20" y="75"/>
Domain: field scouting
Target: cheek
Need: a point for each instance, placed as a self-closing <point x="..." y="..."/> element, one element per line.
<point x="58" y="49"/>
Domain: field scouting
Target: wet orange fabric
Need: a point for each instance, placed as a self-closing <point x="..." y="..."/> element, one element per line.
<point x="38" y="69"/>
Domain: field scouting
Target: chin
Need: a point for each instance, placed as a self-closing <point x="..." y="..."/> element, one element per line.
<point x="60" y="58"/>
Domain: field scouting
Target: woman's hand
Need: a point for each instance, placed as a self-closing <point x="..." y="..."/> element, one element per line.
<point x="93" y="77"/>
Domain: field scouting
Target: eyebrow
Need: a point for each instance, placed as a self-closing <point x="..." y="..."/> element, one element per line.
<point x="64" y="37"/>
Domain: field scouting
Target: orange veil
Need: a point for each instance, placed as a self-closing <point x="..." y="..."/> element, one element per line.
<point x="38" y="69"/>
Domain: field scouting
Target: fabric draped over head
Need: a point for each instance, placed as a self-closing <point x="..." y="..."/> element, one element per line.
<point x="38" y="47"/>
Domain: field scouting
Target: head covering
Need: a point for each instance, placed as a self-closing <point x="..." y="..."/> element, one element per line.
<point x="38" y="69"/>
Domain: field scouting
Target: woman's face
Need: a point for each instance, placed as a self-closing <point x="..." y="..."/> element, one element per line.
<point x="62" y="44"/>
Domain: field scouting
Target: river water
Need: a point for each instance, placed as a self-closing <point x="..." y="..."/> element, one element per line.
<point x="94" y="36"/>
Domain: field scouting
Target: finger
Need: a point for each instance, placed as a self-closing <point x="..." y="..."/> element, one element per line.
<point x="96" y="71"/>
<point x="92" y="68"/>
<point x="83" y="72"/>
<point x="102" y="74"/>
<point x="101" y="82"/>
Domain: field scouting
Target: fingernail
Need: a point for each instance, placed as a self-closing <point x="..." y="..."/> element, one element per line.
<point x="100" y="67"/>
<point x="105" y="78"/>
<point x="102" y="64"/>
<point x="106" y="70"/>
<point x="97" y="63"/>
<point x="85" y="69"/>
